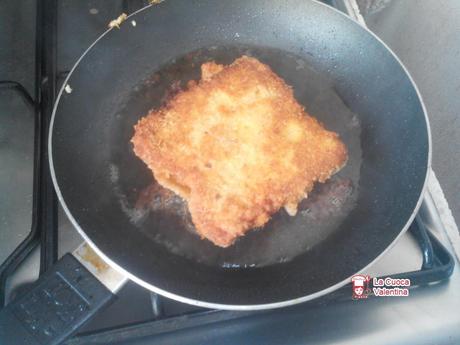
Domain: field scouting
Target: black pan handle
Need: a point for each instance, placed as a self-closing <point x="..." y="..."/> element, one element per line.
<point x="60" y="302"/>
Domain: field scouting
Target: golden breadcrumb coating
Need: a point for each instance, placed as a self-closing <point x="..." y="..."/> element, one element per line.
<point x="237" y="147"/>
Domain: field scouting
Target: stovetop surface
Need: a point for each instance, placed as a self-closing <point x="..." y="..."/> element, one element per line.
<point x="429" y="315"/>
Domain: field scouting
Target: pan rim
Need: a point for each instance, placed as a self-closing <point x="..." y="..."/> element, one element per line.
<point x="212" y="305"/>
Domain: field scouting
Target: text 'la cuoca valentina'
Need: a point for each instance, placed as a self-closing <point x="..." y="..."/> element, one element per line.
<point x="390" y="286"/>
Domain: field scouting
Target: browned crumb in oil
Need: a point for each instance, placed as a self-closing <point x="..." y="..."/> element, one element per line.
<point x="328" y="199"/>
<point x="155" y="198"/>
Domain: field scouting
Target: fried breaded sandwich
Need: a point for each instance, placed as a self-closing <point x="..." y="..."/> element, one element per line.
<point x="237" y="146"/>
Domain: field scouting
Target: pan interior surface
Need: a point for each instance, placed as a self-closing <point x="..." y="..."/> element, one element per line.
<point x="339" y="72"/>
<point x="164" y="217"/>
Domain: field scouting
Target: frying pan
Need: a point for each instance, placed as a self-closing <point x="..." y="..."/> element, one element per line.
<point x="127" y="72"/>
<point x="343" y="75"/>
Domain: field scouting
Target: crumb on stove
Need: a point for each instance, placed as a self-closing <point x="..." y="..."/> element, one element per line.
<point x="68" y="89"/>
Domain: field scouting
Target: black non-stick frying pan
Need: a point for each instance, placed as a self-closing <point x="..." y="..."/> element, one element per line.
<point x="340" y="72"/>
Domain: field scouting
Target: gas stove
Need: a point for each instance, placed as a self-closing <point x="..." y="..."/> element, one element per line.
<point x="425" y="254"/>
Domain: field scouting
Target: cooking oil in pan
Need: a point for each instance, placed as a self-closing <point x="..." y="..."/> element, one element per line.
<point x="164" y="217"/>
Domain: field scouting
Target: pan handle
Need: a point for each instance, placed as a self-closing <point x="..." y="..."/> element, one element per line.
<point x="60" y="301"/>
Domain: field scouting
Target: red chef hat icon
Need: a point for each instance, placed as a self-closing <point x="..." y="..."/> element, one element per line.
<point x="360" y="286"/>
